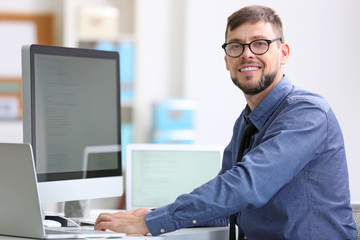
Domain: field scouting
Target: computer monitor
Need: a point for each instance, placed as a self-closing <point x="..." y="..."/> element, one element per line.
<point x="71" y="117"/>
<point x="156" y="174"/>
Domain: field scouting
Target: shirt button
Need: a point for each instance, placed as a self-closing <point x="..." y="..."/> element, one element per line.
<point x="162" y="230"/>
<point x="194" y="221"/>
<point x="245" y="238"/>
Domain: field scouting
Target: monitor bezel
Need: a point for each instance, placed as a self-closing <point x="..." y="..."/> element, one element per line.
<point x="29" y="53"/>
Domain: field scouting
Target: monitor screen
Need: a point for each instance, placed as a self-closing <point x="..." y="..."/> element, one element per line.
<point x="71" y="116"/>
<point x="156" y="174"/>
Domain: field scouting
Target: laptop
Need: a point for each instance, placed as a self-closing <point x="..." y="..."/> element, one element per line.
<point x="20" y="208"/>
<point x="156" y="174"/>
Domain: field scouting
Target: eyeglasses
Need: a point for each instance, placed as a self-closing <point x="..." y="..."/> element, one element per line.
<point x="257" y="47"/>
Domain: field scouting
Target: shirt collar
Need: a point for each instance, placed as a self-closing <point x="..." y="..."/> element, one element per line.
<point x="269" y="104"/>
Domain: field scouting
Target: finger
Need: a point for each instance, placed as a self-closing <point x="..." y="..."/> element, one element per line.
<point x="102" y="226"/>
<point x="115" y="224"/>
<point x="103" y="217"/>
<point x="111" y="221"/>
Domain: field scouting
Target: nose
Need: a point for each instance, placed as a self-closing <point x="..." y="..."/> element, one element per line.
<point x="247" y="53"/>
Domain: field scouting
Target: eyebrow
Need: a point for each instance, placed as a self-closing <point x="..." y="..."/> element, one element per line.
<point x="251" y="39"/>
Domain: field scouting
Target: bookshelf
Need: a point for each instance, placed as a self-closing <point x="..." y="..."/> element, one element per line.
<point x="156" y="29"/>
<point x="106" y="25"/>
<point x="72" y="9"/>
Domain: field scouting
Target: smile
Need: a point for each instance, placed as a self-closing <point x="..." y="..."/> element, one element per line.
<point x="246" y="69"/>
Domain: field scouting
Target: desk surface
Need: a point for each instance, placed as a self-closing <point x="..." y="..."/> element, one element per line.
<point x="212" y="233"/>
<point x="206" y="233"/>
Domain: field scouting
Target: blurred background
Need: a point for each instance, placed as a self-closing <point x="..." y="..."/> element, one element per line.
<point x="174" y="84"/>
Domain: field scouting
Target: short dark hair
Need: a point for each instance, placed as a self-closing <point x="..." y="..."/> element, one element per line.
<point x="255" y="14"/>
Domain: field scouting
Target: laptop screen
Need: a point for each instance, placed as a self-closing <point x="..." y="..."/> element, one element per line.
<point x="157" y="174"/>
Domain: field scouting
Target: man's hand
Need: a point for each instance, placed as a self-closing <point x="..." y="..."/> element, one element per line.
<point x="131" y="222"/>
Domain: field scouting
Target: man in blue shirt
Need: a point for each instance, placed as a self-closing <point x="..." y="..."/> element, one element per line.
<point x="292" y="181"/>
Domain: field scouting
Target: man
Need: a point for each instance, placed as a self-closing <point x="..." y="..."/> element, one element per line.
<point x="292" y="181"/>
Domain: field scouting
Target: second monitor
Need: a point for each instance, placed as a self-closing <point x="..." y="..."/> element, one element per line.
<point x="158" y="173"/>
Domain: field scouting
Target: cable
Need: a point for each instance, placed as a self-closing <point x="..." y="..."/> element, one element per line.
<point x="61" y="219"/>
<point x="73" y="222"/>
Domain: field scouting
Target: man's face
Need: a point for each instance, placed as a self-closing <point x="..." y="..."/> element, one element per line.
<point x="255" y="73"/>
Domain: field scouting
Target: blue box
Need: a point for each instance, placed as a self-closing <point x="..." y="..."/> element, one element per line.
<point x="127" y="61"/>
<point x="127" y="70"/>
<point x="127" y="66"/>
<point x="105" y="46"/>
<point x="174" y="114"/>
<point x="127" y="136"/>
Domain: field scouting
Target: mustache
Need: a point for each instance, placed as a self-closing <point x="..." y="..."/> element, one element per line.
<point x="243" y="62"/>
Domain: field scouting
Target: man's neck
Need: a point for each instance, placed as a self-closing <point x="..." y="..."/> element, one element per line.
<point x="254" y="100"/>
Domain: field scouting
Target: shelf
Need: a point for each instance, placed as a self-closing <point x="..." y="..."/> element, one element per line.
<point x="121" y="37"/>
<point x="71" y="14"/>
<point x="127" y="104"/>
<point x="118" y="16"/>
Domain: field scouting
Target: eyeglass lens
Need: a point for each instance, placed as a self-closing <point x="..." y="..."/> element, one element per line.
<point x="257" y="47"/>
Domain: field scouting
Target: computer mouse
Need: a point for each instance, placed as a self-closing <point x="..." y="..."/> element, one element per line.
<point x="51" y="223"/>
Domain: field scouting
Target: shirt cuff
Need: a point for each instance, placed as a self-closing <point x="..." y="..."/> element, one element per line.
<point x="160" y="221"/>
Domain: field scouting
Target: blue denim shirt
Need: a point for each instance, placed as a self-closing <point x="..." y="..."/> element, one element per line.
<point x="292" y="183"/>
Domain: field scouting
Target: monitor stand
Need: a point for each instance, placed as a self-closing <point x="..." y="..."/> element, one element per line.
<point x="77" y="209"/>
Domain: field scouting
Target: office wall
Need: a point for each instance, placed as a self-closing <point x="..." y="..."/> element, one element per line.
<point x="160" y="58"/>
<point x="324" y="58"/>
<point x="180" y="54"/>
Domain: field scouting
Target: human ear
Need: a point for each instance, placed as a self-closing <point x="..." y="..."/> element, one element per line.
<point x="227" y="63"/>
<point x="285" y="52"/>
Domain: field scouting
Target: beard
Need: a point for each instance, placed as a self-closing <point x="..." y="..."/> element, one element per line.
<point x="264" y="83"/>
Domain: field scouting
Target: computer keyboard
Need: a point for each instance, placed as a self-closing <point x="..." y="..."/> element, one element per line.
<point x="60" y="230"/>
<point x="84" y="221"/>
<point x="81" y="231"/>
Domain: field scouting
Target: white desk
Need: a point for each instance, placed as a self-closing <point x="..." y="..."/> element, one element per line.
<point x="206" y="233"/>
<point x="213" y="233"/>
<point x="218" y="233"/>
